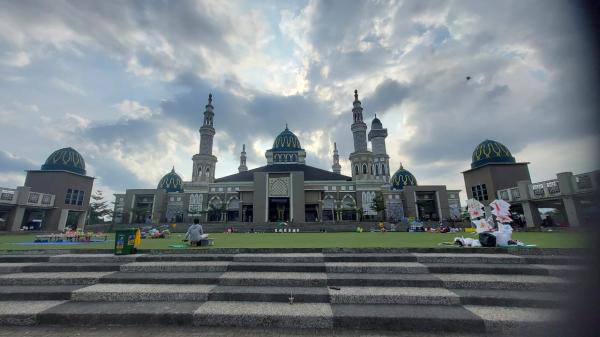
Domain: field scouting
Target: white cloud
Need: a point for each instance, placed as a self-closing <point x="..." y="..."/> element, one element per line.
<point x="15" y="59"/>
<point x="68" y="87"/>
<point x="129" y="109"/>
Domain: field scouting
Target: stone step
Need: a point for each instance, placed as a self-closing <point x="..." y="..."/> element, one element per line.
<point x="370" y="257"/>
<point x="503" y="282"/>
<point x="392" y="295"/>
<point x="142" y="292"/>
<point x="522" y="321"/>
<point x="161" y="278"/>
<point x="383" y="280"/>
<point x="281" y="279"/>
<point x="511" y="298"/>
<point x="555" y="259"/>
<point x="93" y="258"/>
<point x="567" y="271"/>
<point x="277" y="267"/>
<point x="185" y="257"/>
<point x="70" y="267"/>
<point x="101" y="314"/>
<point x="14" y="267"/>
<point x="431" y="318"/>
<point x="475" y="268"/>
<point x="376" y="267"/>
<point x="65" y="278"/>
<point x="24" y="312"/>
<point x="267" y="315"/>
<point x="175" y="266"/>
<point x="270" y="294"/>
<point x="281" y="258"/>
<point x="37" y="293"/>
<point x="468" y="258"/>
<point x="23" y="258"/>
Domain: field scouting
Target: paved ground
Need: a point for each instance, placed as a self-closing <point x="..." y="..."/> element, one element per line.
<point x="161" y="331"/>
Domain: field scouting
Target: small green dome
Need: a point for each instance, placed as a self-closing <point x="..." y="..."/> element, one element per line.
<point x="286" y="141"/>
<point x="402" y="178"/>
<point x="65" y="159"/>
<point x="376" y="123"/>
<point x="491" y="151"/>
<point x="171" y="182"/>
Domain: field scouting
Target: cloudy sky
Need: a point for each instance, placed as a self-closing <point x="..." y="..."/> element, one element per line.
<point x="125" y="83"/>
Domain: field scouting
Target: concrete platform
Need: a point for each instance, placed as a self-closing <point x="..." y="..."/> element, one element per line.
<point x="467" y="258"/>
<point x="508" y="282"/>
<point x="383" y="280"/>
<point x="58" y="278"/>
<point x="270" y="294"/>
<point x="376" y="267"/>
<point x="519" y="321"/>
<point x="23" y="313"/>
<point x="93" y="258"/>
<point x="257" y="314"/>
<point x="14" y="267"/>
<point x="393" y="295"/>
<point x="71" y="267"/>
<point x="284" y="257"/>
<point x="476" y="268"/>
<point x="37" y="292"/>
<point x="370" y="257"/>
<point x="142" y="292"/>
<point x="24" y="258"/>
<point x="282" y="279"/>
<point x="175" y="266"/>
<point x="512" y="298"/>
<point x="162" y="278"/>
<point x="277" y="267"/>
<point x="184" y="257"/>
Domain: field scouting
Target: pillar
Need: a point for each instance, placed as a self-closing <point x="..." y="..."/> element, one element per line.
<point x="16" y="218"/>
<point x="571" y="211"/>
<point x="81" y="220"/>
<point x="62" y="221"/>
<point x="532" y="214"/>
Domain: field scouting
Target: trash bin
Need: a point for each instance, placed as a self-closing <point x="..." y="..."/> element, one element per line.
<point x="127" y="241"/>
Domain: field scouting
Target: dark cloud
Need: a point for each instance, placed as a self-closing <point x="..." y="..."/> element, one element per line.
<point x="12" y="163"/>
<point x="388" y="93"/>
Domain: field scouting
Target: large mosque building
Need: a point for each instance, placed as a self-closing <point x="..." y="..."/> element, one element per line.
<point x="287" y="189"/>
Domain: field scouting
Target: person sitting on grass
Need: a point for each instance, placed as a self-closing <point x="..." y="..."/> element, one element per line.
<point x="195" y="233"/>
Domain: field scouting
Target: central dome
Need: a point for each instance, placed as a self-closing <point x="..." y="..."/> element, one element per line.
<point x="402" y="178"/>
<point x="171" y="182"/>
<point x="491" y="151"/>
<point x="65" y="159"/>
<point x="286" y="141"/>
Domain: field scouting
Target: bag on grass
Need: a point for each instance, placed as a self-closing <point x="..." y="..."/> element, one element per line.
<point x="487" y="239"/>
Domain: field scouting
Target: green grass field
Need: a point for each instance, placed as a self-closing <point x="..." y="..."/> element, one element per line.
<point x="310" y="240"/>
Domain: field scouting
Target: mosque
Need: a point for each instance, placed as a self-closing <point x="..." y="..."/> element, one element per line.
<point x="287" y="189"/>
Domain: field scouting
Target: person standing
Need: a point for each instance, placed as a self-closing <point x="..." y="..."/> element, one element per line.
<point x="195" y="233"/>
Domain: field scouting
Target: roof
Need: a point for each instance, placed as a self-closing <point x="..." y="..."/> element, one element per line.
<point x="310" y="173"/>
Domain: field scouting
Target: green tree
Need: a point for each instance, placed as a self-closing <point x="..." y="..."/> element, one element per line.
<point x="99" y="208"/>
<point x="378" y="204"/>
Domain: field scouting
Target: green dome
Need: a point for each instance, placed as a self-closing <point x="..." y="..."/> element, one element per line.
<point x="491" y="151"/>
<point x="286" y="141"/>
<point x="171" y="182"/>
<point x="402" y="178"/>
<point x="376" y="123"/>
<point x="66" y="159"/>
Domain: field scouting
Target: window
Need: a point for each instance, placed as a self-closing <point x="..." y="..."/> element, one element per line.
<point x="178" y="198"/>
<point x="356" y="169"/>
<point x="68" y="196"/>
<point x="171" y="198"/>
<point x="479" y="192"/>
<point x="383" y="169"/>
<point x="46" y="199"/>
<point x="80" y="198"/>
<point x="377" y="169"/>
<point x="364" y="170"/>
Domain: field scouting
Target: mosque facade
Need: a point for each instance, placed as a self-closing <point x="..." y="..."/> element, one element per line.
<point x="287" y="189"/>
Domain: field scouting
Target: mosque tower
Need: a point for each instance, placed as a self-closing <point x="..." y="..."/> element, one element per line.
<point x="377" y="137"/>
<point x="205" y="162"/>
<point x="361" y="159"/>
<point x="336" y="160"/>
<point x="243" y="167"/>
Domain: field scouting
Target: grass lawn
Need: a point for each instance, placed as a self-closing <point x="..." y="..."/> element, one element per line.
<point x="310" y="240"/>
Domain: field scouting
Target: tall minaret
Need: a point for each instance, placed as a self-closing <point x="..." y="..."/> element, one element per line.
<point x="336" y="160"/>
<point x="377" y="137"/>
<point x="243" y="166"/>
<point x="205" y="162"/>
<point x="361" y="159"/>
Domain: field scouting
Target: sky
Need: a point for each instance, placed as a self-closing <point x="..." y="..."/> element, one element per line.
<point x="125" y="83"/>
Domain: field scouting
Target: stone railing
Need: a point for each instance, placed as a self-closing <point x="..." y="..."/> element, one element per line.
<point x="544" y="189"/>
<point x="8" y="196"/>
<point x="40" y="199"/>
<point x="584" y="182"/>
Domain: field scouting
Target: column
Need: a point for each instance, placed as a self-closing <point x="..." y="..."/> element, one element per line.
<point x="532" y="214"/>
<point x="81" y="220"/>
<point x="571" y="211"/>
<point x="62" y="221"/>
<point x="16" y="218"/>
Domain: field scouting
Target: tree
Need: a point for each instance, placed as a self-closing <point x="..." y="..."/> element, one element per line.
<point x="99" y="208"/>
<point x="378" y="204"/>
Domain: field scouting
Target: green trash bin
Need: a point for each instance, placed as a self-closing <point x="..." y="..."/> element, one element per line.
<point x="127" y="241"/>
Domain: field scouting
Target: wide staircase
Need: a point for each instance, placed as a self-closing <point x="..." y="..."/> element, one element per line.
<point x="461" y="291"/>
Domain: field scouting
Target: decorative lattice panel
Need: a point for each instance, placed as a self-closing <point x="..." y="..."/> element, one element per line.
<point x="279" y="187"/>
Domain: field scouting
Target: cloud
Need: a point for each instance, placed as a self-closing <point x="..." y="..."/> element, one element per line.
<point x="15" y="59"/>
<point x="13" y="163"/>
<point x="68" y="87"/>
<point x="133" y="110"/>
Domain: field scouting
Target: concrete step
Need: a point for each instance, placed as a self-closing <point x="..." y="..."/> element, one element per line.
<point x="162" y="278"/>
<point x="277" y="267"/>
<point x="521" y="321"/>
<point x="23" y="258"/>
<point x="267" y="315"/>
<point x="93" y="258"/>
<point x="567" y="271"/>
<point x="14" y="267"/>
<point x="456" y="258"/>
<point x="383" y="280"/>
<point x="503" y="282"/>
<point x="23" y="312"/>
<point x="502" y="269"/>
<point x="281" y="279"/>
<point x="433" y="318"/>
<point x="555" y="259"/>
<point x="281" y="258"/>
<point x="65" y="278"/>
<point x="175" y="266"/>
<point x="70" y="267"/>
<point x="270" y="294"/>
<point x="376" y="267"/>
<point x="511" y="298"/>
<point x="101" y="314"/>
<point x="370" y="257"/>
<point x="37" y="293"/>
<point x="185" y="257"/>
<point x="392" y="295"/>
<point x="142" y="292"/>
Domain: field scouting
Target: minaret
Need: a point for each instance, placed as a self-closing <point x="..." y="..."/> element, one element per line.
<point x="205" y="162"/>
<point x="381" y="160"/>
<point x="336" y="160"/>
<point x="361" y="159"/>
<point x="243" y="167"/>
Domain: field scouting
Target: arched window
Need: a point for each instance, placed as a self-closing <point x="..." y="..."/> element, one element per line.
<point x="199" y="170"/>
<point x="294" y="158"/>
<point x="289" y="158"/>
<point x="364" y="170"/>
<point x="383" y="169"/>
<point x="356" y="169"/>
<point x="276" y="158"/>
<point x="377" y="169"/>
<point x="208" y="171"/>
